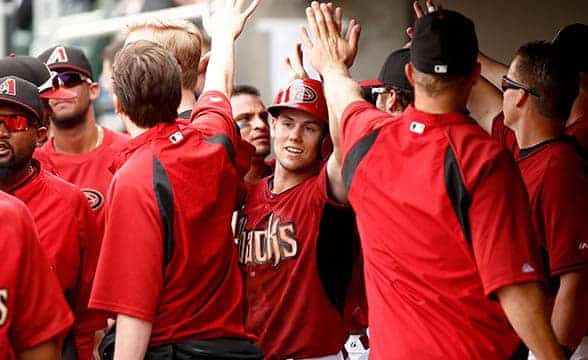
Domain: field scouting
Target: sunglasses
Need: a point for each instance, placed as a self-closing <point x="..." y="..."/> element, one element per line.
<point x="70" y="79"/>
<point x="511" y="84"/>
<point x="14" y="123"/>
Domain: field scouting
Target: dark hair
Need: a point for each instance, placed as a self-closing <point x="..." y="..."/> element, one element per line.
<point x="146" y="81"/>
<point x="405" y="97"/>
<point x="541" y="67"/>
<point x="245" y="90"/>
<point x="110" y="51"/>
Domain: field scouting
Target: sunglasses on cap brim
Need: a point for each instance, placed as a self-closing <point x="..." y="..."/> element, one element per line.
<point x="51" y="89"/>
<point x="14" y="123"/>
<point x="509" y="84"/>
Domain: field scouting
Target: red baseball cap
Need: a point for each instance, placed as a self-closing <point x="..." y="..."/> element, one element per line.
<point x="302" y="94"/>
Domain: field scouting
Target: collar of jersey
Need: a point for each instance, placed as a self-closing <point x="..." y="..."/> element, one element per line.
<point x="413" y="114"/>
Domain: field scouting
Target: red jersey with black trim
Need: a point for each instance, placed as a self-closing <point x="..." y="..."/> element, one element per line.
<point x="297" y="266"/>
<point x="443" y="217"/>
<point x="69" y="236"/>
<point x="91" y="171"/>
<point x="579" y="130"/>
<point x="556" y="177"/>
<point x="32" y="307"/>
<point x="504" y="135"/>
<point x="168" y="254"/>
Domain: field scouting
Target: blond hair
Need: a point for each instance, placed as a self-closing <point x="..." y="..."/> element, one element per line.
<point x="181" y="38"/>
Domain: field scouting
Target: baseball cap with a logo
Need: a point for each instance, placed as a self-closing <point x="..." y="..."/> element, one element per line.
<point x="24" y="94"/>
<point x="444" y="42"/>
<point x="35" y="71"/>
<point x="63" y="58"/>
<point x="305" y="95"/>
<point x="572" y="41"/>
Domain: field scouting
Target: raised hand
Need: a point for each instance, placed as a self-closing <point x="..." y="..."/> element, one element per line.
<point x="328" y="47"/>
<point x="228" y="17"/>
<point x="420" y="12"/>
<point x="294" y="65"/>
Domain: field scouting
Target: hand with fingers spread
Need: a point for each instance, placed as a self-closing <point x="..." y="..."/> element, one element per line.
<point x="228" y="17"/>
<point x="329" y="49"/>
<point x="294" y="65"/>
<point x="420" y="12"/>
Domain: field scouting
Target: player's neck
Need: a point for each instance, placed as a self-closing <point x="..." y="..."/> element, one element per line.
<point x="535" y="129"/>
<point x="188" y="101"/>
<point x="77" y="140"/>
<point x="580" y="107"/>
<point x="9" y="178"/>
<point x="443" y="103"/>
<point x="257" y="170"/>
<point x="285" y="179"/>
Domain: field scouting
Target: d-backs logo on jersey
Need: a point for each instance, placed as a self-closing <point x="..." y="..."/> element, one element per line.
<point x="271" y="245"/>
<point x="94" y="197"/>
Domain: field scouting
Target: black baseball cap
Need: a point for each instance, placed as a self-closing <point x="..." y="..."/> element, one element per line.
<point x="24" y="94"/>
<point x="62" y="58"/>
<point x="572" y="41"/>
<point x="392" y="73"/>
<point x="31" y="69"/>
<point x="444" y="42"/>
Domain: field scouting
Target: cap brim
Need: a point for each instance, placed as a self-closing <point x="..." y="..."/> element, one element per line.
<point x="371" y="83"/>
<point x="58" y="94"/>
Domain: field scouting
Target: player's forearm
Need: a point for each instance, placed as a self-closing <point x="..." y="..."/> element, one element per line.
<point x="525" y="308"/>
<point x="569" y="319"/>
<point x="46" y="351"/>
<point x="340" y="91"/>
<point x="132" y="338"/>
<point x="492" y="70"/>
<point x="485" y="103"/>
<point x="221" y="67"/>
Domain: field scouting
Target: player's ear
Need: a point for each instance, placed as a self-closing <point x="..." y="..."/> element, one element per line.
<point x="392" y="102"/>
<point x="94" y="91"/>
<point x="203" y="63"/>
<point x="41" y="136"/>
<point x="409" y="72"/>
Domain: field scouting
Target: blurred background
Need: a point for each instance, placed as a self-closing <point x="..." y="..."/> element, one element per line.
<point x="30" y="26"/>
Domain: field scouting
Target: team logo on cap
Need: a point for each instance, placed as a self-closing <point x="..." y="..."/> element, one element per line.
<point x="8" y="87"/>
<point x="59" y="55"/>
<point x="95" y="198"/>
<point x="303" y="94"/>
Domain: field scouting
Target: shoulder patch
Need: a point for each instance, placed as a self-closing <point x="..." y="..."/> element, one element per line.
<point x="94" y="197"/>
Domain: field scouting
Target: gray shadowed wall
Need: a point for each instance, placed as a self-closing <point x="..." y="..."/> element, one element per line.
<point x="502" y="26"/>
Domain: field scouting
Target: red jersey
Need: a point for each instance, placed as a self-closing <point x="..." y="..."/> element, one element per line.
<point x="32" y="307"/>
<point x="579" y="130"/>
<point x="91" y="171"/>
<point x="168" y="255"/>
<point x="297" y="267"/>
<point x="443" y="218"/>
<point x="504" y="135"/>
<point x="68" y="235"/>
<point x="556" y="177"/>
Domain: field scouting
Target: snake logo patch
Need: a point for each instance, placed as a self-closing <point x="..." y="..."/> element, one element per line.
<point x="95" y="198"/>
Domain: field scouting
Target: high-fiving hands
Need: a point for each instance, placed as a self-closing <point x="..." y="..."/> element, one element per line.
<point x="420" y="12"/>
<point x="228" y="17"/>
<point x="329" y="49"/>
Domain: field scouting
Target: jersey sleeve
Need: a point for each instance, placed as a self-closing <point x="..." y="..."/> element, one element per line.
<point x="129" y="275"/>
<point x="504" y="246"/>
<point x="504" y="135"/>
<point x="564" y="205"/>
<point x="358" y="120"/>
<point x="213" y="115"/>
<point x="41" y="313"/>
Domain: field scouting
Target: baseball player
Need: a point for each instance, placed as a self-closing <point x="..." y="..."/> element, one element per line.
<point x="185" y="42"/>
<point x="79" y="150"/>
<point x="168" y="265"/>
<point x="441" y="208"/>
<point x="392" y="92"/>
<point x="572" y="40"/>
<point x="251" y="116"/>
<point x="296" y="244"/>
<point x="65" y="223"/>
<point x="34" y="316"/>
